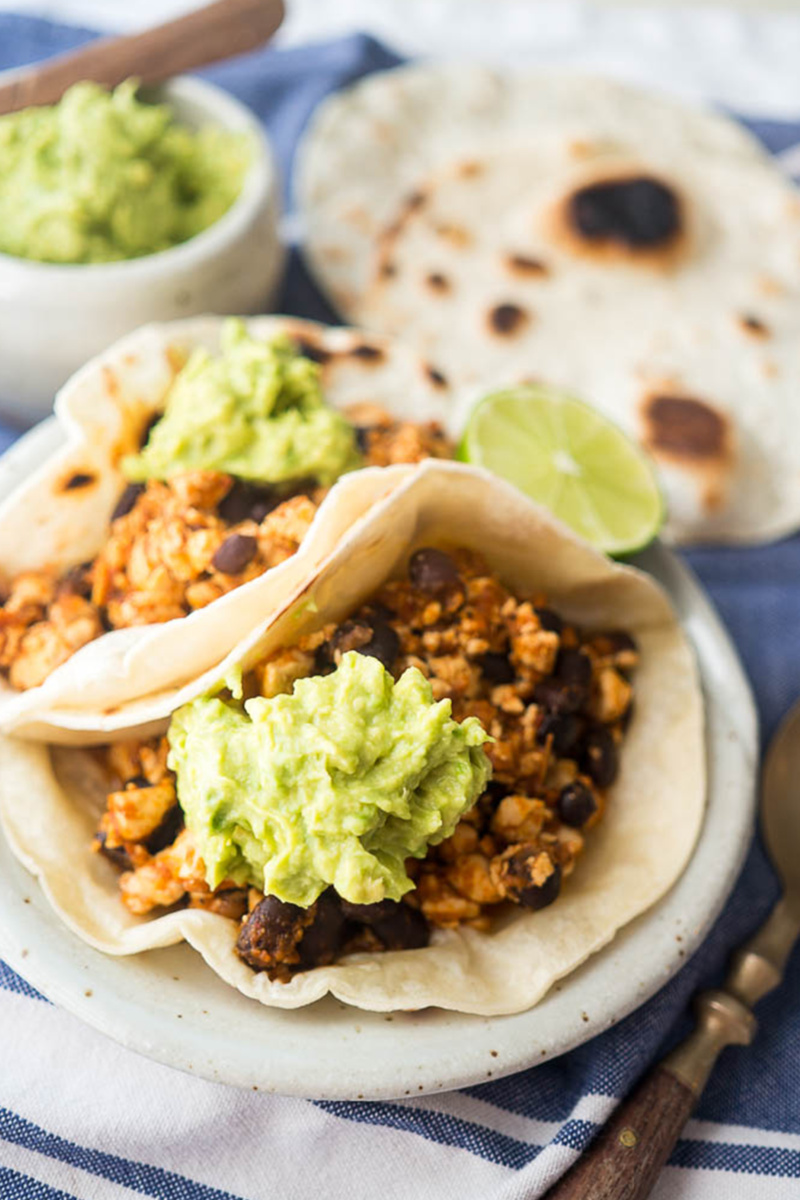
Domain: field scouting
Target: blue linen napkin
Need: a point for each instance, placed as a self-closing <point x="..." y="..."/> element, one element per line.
<point x="82" y="1118"/>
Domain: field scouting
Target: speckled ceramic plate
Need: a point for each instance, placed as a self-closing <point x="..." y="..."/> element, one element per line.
<point x="168" y="1005"/>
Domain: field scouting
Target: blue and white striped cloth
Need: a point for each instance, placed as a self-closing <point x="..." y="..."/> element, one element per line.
<point x="83" y="1118"/>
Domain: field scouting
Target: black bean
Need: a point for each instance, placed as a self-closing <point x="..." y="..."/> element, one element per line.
<point x="566" y="730"/>
<point x="549" y="620"/>
<point x="305" y="486"/>
<point x="138" y="781"/>
<point x="270" y="933"/>
<point x="322" y="939"/>
<point x="540" y="896"/>
<point x="432" y="570"/>
<point x="573" y="666"/>
<point x="77" y="581"/>
<point x="618" y="647"/>
<point x="351" y="635"/>
<point x="362" y="433"/>
<point x="559" y="697"/>
<point x="276" y="933"/>
<point x="576" y="804"/>
<point x="384" y="645"/>
<point x="397" y="925"/>
<point x="375" y="639"/>
<point x="517" y="875"/>
<point x="600" y="759"/>
<point x="234" y="554"/>
<point x="618" y="641"/>
<point x="497" y="668"/>
<point x="323" y="658"/>
<point x="166" y="831"/>
<point x="118" y="855"/>
<point x="127" y="500"/>
<point x="247" y="502"/>
<point x="496" y="791"/>
<point x="375" y="612"/>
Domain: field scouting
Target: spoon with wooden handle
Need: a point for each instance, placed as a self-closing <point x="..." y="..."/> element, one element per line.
<point x="202" y="36"/>
<point x="626" y="1159"/>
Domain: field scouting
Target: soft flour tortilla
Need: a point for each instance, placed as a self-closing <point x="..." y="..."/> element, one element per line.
<point x="102" y="411"/>
<point x="367" y="147"/>
<point x="632" y="858"/>
<point x="712" y="323"/>
<point x="623" y="334"/>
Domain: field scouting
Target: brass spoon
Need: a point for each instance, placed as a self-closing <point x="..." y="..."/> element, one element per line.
<point x="626" y="1159"/>
<point x="204" y="35"/>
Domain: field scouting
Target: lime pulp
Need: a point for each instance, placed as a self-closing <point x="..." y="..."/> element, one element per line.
<point x="571" y="459"/>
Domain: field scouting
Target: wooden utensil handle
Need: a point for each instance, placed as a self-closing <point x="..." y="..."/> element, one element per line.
<point x="205" y="35"/>
<point x="624" y="1162"/>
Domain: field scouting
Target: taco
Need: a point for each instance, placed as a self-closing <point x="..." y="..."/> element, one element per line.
<point x="209" y="467"/>
<point x="465" y="754"/>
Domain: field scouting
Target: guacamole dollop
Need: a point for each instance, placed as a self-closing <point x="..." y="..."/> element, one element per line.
<point x="336" y="784"/>
<point x="101" y="176"/>
<point x="255" y="411"/>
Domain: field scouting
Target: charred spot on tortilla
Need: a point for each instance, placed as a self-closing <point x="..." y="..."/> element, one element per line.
<point x="176" y="357"/>
<point x="387" y="270"/>
<point x="768" y="286"/>
<point x="437" y="282"/>
<point x="685" y="429"/>
<point x="149" y="425"/>
<point x="436" y="377"/>
<point x="334" y="254"/>
<point x="753" y="326"/>
<point x="414" y="200"/>
<point x="638" y="212"/>
<point x="127" y="500"/>
<point x="471" y="169"/>
<point x="456" y="235"/>
<point x="621" y="215"/>
<point x="507" y="319"/>
<point x="580" y="148"/>
<point x="311" y="349"/>
<point x="111" y="381"/>
<point x="522" y="264"/>
<point x="78" y="480"/>
<point x="366" y="353"/>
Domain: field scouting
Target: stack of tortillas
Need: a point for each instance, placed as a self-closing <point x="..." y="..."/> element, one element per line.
<point x="641" y="254"/>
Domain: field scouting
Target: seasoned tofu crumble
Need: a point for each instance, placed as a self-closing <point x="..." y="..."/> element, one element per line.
<point x="176" y="546"/>
<point x="556" y="702"/>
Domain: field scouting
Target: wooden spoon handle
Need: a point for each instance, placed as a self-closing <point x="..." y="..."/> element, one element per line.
<point x="625" y="1161"/>
<point x="205" y="35"/>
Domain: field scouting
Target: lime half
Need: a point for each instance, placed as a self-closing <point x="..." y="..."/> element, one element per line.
<point x="572" y="460"/>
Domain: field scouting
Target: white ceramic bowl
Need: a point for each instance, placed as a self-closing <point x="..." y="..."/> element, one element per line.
<point x="54" y="317"/>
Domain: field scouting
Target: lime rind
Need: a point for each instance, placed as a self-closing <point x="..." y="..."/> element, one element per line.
<point x="570" y="458"/>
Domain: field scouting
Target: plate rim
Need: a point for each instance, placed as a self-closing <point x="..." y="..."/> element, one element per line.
<point x="456" y="1049"/>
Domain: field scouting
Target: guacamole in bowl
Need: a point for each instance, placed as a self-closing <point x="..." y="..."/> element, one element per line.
<point x="105" y="176"/>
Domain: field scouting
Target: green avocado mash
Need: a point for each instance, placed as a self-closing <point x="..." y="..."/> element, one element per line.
<point x="337" y="783"/>
<point x="101" y="176"/>
<point x="256" y="412"/>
